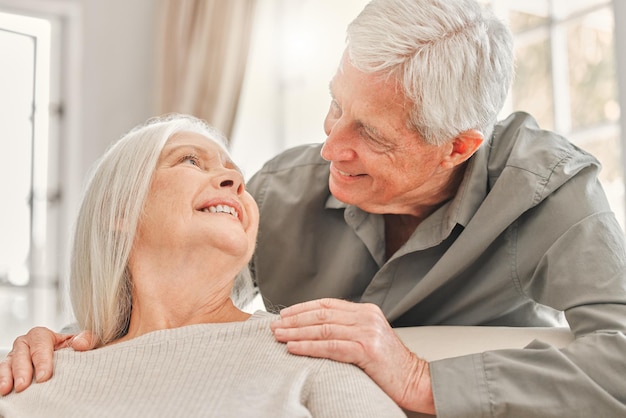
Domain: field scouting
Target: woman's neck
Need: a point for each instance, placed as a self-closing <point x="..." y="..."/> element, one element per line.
<point x="168" y="295"/>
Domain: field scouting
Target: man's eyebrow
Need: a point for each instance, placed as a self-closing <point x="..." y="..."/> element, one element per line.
<point x="372" y="131"/>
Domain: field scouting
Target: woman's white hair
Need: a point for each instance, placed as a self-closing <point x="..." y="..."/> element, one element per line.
<point x="452" y="59"/>
<point x="100" y="283"/>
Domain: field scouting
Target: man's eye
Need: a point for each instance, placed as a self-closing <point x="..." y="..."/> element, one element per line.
<point x="335" y="108"/>
<point x="374" y="143"/>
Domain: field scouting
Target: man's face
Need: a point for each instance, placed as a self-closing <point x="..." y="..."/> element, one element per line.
<point x="377" y="162"/>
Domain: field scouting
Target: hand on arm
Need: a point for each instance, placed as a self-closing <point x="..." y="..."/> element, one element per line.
<point x="359" y="334"/>
<point x="33" y="353"/>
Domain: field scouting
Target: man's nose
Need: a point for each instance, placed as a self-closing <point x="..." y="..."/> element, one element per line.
<point x="339" y="144"/>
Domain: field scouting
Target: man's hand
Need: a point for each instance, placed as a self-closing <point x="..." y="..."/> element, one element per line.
<point x="360" y="334"/>
<point x="33" y="353"/>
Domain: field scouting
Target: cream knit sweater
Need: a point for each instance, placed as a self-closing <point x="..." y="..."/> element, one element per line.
<point x="210" y="370"/>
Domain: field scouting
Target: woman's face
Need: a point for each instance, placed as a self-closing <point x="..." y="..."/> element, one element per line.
<point x="197" y="202"/>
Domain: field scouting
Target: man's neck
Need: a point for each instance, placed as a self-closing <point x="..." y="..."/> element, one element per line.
<point x="398" y="230"/>
<point x="400" y="227"/>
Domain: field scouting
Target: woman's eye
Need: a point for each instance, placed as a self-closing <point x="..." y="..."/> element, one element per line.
<point x="191" y="159"/>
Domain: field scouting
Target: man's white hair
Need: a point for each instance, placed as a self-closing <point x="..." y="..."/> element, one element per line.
<point x="452" y="59"/>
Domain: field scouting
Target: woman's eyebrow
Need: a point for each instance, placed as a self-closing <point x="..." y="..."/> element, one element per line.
<point x="223" y="156"/>
<point x="169" y="150"/>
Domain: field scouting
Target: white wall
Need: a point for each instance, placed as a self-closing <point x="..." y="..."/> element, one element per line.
<point x="118" y="79"/>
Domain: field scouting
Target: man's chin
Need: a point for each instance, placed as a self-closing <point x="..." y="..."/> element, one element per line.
<point x="349" y="197"/>
<point x="359" y="200"/>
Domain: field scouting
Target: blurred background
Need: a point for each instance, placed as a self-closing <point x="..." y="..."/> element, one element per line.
<point x="77" y="74"/>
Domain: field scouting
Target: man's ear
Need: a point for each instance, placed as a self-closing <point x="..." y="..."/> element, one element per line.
<point x="463" y="147"/>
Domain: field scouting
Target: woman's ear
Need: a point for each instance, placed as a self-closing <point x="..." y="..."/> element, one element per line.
<point x="463" y="147"/>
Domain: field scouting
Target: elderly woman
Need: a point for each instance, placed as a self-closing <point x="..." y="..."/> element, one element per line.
<point x="165" y="226"/>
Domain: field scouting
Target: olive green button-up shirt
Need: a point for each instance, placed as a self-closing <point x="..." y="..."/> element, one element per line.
<point x="529" y="240"/>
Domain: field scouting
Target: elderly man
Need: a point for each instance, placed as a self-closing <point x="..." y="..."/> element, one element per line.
<point x="420" y="209"/>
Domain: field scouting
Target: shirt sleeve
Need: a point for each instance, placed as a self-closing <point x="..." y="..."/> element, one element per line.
<point x="582" y="273"/>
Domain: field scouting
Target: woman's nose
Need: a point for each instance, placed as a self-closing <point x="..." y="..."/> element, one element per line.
<point x="232" y="179"/>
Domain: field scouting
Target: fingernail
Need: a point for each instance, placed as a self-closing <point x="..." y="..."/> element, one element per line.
<point x="19" y="382"/>
<point x="40" y="375"/>
<point x="3" y="383"/>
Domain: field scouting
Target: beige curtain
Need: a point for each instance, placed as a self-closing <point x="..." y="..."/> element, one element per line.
<point x="202" y="57"/>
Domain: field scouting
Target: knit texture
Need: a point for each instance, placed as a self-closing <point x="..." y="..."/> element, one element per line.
<point x="209" y="370"/>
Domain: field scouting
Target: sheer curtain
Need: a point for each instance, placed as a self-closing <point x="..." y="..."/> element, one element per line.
<point x="203" y="49"/>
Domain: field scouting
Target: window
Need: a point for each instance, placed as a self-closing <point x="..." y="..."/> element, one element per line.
<point x="28" y="266"/>
<point x="566" y="77"/>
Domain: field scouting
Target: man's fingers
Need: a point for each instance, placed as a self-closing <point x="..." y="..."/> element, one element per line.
<point x="21" y="365"/>
<point x="84" y="341"/>
<point x="33" y="353"/>
<point x="308" y="318"/>
<point x="6" y="377"/>
<point x="317" y="304"/>
<point x="325" y="311"/>
<point x="318" y="332"/>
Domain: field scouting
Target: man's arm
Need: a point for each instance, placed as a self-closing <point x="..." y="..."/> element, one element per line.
<point x="32" y="353"/>
<point x="583" y="274"/>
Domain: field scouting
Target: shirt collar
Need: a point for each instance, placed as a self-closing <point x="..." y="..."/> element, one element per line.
<point x="472" y="191"/>
<point x="333" y="203"/>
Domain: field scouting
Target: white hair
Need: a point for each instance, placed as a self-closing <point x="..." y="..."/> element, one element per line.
<point x="452" y="59"/>
<point x="100" y="283"/>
